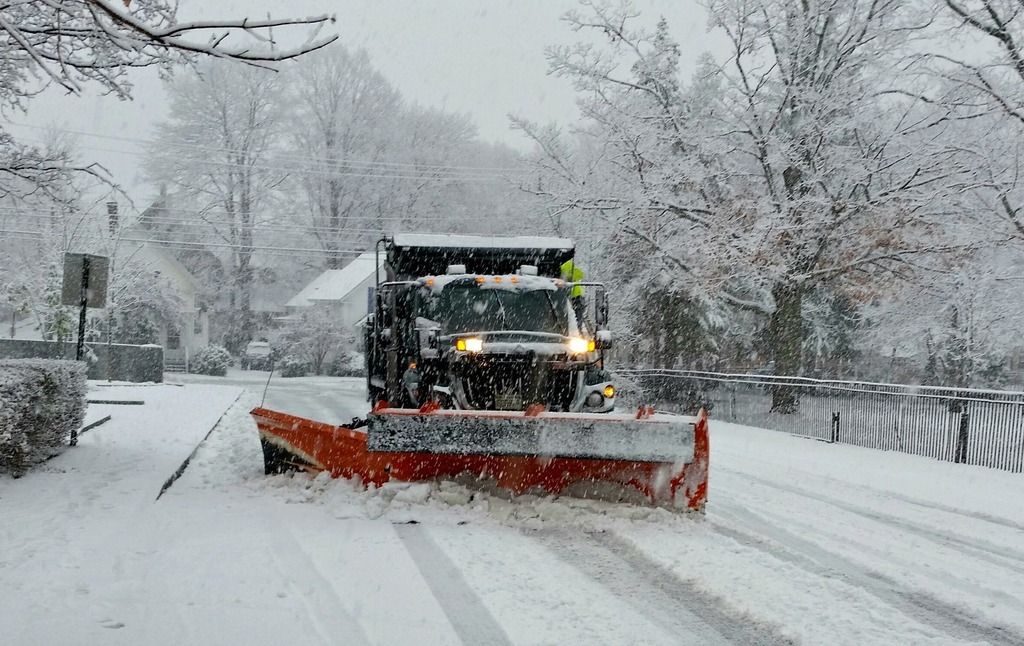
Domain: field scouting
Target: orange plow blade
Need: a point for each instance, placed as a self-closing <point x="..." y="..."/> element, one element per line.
<point x="295" y="443"/>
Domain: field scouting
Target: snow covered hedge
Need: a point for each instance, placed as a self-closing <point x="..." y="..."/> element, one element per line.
<point x="211" y="360"/>
<point x="41" y="402"/>
<point x="293" y="366"/>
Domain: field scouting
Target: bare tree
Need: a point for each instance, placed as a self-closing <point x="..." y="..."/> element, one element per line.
<point x="216" y="151"/>
<point x="342" y="126"/>
<point x="40" y="226"/>
<point x="38" y="223"/>
<point x="367" y="163"/>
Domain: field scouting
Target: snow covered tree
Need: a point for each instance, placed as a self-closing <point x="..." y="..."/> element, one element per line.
<point x="31" y="275"/>
<point x="962" y="319"/>
<point x="437" y="156"/>
<point x="139" y="302"/>
<point x="216" y="151"/>
<point x="72" y="43"/>
<point x="995" y="81"/>
<point x="312" y="336"/>
<point x="39" y="224"/>
<point x="983" y="99"/>
<point x="782" y="170"/>
<point x="831" y="325"/>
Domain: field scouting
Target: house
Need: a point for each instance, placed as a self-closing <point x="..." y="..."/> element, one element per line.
<point x="182" y="341"/>
<point x="135" y="246"/>
<point x="346" y="293"/>
<point x="193" y="239"/>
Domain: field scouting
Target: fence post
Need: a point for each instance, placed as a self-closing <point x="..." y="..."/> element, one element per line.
<point x="961" y="440"/>
<point x="835" y="427"/>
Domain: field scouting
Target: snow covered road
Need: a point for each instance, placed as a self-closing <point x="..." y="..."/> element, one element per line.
<point x="335" y="400"/>
<point x="803" y="542"/>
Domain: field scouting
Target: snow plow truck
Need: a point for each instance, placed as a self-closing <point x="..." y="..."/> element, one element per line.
<point x="484" y="363"/>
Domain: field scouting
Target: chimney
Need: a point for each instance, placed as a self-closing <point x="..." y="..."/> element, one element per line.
<point x="112" y="217"/>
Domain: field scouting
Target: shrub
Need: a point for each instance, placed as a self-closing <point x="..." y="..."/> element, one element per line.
<point x="42" y="401"/>
<point x="347" y="364"/>
<point x="292" y="366"/>
<point x="211" y="360"/>
<point x="313" y="336"/>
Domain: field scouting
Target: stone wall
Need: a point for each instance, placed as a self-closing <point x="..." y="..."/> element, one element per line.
<point x="138" y="363"/>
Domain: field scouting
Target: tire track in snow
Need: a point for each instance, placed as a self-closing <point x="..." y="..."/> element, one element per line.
<point x="926" y="609"/>
<point x="659" y="595"/>
<point x="471" y="619"/>
<point x="1003" y="557"/>
<point x="323" y="606"/>
<point x="976" y="515"/>
<point x="894" y="495"/>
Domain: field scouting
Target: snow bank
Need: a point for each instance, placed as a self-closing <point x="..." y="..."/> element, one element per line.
<point x="42" y="402"/>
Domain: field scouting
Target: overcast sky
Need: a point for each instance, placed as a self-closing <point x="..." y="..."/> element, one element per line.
<point x="482" y="58"/>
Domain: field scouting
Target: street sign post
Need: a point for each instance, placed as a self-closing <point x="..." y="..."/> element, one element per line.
<point x="85" y="285"/>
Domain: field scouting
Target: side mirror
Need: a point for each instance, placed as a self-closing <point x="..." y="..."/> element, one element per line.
<point x="601" y="311"/>
<point x="603" y="340"/>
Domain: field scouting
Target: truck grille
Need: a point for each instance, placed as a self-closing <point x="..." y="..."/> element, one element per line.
<point x="507" y="383"/>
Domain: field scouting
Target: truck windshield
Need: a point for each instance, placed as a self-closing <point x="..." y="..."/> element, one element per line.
<point x="465" y="308"/>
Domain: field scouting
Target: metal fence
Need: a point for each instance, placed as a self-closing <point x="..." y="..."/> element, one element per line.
<point x="981" y="427"/>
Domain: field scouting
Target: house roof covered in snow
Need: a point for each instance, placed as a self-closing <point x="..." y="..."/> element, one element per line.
<point x="336" y="284"/>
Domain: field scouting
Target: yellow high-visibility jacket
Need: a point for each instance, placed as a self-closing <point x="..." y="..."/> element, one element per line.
<point x="571" y="273"/>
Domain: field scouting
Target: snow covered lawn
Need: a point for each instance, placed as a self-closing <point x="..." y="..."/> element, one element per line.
<point x="803" y="542"/>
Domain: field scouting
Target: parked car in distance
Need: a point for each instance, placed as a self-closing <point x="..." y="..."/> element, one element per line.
<point x="256" y="356"/>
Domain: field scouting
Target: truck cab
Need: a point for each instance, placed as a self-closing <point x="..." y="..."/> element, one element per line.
<point x="472" y="339"/>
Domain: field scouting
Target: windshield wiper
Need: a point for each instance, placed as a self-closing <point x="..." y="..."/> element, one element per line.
<point x="501" y="309"/>
<point x="554" y="310"/>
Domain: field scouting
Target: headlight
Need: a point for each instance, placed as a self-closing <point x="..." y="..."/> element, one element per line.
<point x="579" y="346"/>
<point x="469" y="345"/>
<point x="609" y="391"/>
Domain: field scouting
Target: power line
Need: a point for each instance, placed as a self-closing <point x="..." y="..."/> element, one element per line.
<point x="189" y="245"/>
<point x="200" y="217"/>
<point x="291" y="155"/>
<point x="494" y="171"/>
<point x="259" y="231"/>
<point x="469" y="177"/>
<point x="186" y="246"/>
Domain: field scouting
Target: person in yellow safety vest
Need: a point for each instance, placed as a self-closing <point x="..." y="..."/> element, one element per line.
<point x="571" y="273"/>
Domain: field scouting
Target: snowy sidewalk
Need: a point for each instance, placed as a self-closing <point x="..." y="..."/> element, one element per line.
<point x="70" y="531"/>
